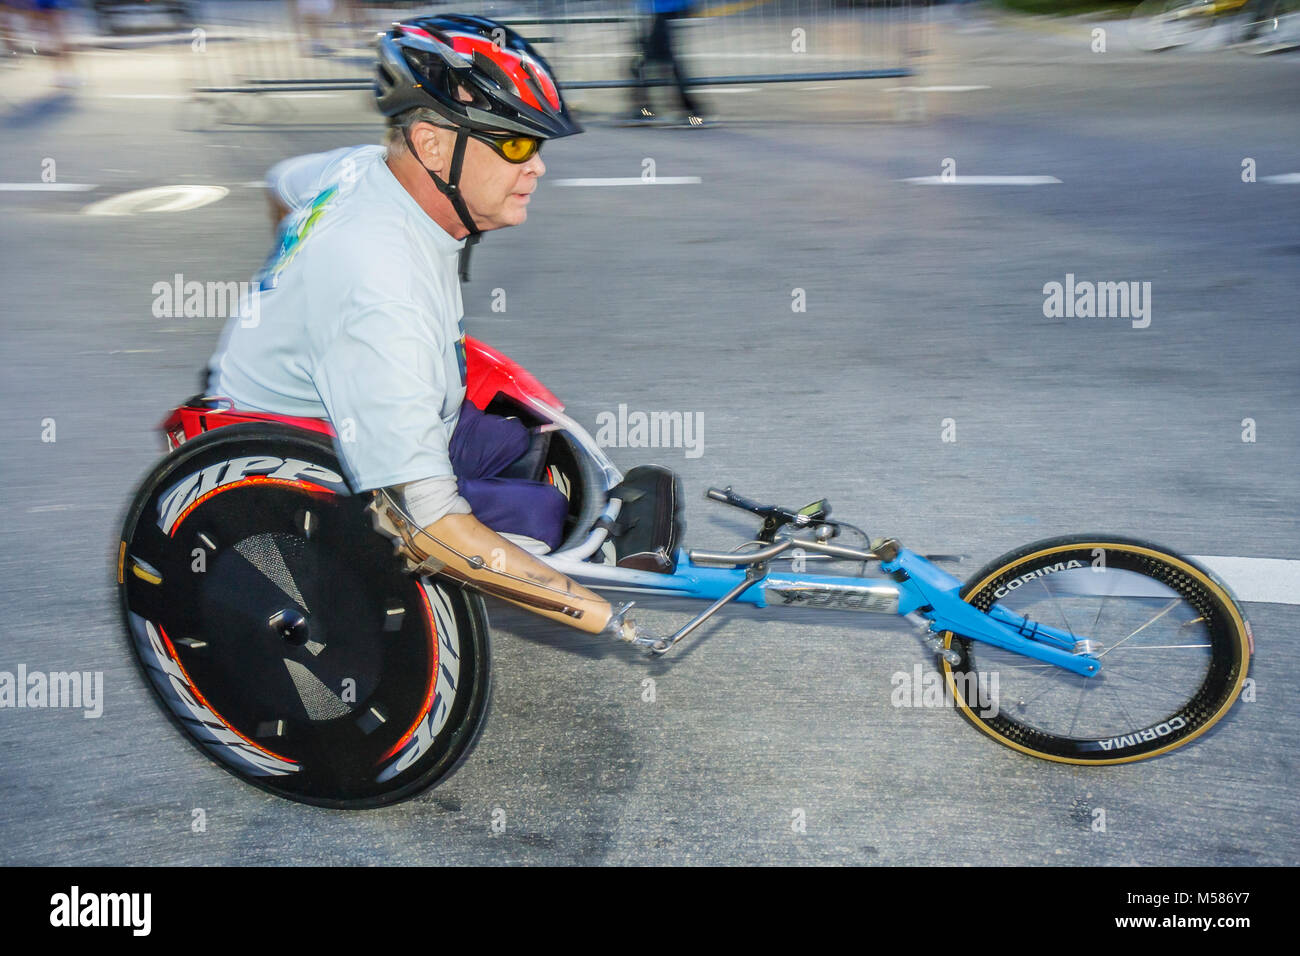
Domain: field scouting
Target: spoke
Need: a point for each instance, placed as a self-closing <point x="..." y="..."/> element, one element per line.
<point x="1169" y="607"/>
<point x="1114" y="583"/>
<point x="1083" y="690"/>
<point x="1128" y="721"/>
<point x="1161" y="647"/>
<point x="1038" y="670"/>
<point x="1036" y="665"/>
<point x="1149" y="687"/>
<point x="1046" y="690"/>
<point x="1060" y="610"/>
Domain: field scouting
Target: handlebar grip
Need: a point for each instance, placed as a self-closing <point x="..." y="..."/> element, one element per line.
<point x="729" y="497"/>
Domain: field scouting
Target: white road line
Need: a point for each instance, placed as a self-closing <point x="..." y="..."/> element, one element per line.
<point x="270" y="94"/>
<point x="45" y="187"/>
<point x="1285" y="179"/>
<point x="1267" y="580"/>
<point x="631" y="181"/>
<point x="981" y="180"/>
<point x="934" y="89"/>
<point x="179" y="198"/>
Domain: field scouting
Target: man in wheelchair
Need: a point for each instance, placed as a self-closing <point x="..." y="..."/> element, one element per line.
<point x="359" y="317"/>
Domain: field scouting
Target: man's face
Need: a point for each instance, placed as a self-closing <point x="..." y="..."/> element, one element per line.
<point x="496" y="191"/>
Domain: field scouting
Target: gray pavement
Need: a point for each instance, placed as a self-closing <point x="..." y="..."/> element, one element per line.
<point x="924" y="303"/>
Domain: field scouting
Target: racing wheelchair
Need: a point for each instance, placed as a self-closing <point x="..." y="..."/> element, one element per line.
<point x="284" y="635"/>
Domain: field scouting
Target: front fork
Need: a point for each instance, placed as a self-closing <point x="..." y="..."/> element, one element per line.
<point x="935" y="595"/>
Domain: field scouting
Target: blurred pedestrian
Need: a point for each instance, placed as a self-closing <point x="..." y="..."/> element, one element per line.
<point x="314" y="16"/>
<point x="11" y="45"/>
<point x="51" y="16"/>
<point x="657" y="52"/>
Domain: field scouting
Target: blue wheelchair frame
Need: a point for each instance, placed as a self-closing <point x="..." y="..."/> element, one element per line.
<point x="914" y="588"/>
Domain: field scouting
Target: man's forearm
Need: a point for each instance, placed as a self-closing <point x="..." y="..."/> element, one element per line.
<point x="473" y="552"/>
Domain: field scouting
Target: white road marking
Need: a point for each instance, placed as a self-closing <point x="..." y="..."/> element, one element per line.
<point x="934" y="89"/>
<point x="270" y="93"/>
<point x="1267" y="580"/>
<point x="631" y="181"/>
<point x="1284" y="179"/>
<point x="46" y="187"/>
<point x="180" y="198"/>
<point x="981" y="180"/>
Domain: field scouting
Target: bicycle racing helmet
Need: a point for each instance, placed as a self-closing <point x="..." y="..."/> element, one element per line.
<point x="477" y="74"/>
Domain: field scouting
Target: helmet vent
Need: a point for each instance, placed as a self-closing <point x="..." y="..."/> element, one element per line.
<point x="494" y="72"/>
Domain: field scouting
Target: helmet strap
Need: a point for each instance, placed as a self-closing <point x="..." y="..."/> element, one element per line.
<point x="451" y="189"/>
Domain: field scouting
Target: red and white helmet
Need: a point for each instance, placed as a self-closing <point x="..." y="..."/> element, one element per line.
<point x="476" y="73"/>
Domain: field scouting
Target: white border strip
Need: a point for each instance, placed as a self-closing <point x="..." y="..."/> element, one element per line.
<point x="981" y="180"/>
<point x="934" y="89"/>
<point x="1266" y="580"/>
<point x="45" y="187"/>
<point x="631" y="181"/>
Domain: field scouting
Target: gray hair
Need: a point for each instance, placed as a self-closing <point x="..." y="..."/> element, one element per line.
<point x="394" y="140"/>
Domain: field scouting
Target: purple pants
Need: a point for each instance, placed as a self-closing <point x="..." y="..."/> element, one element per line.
<point x="482" y="446"/>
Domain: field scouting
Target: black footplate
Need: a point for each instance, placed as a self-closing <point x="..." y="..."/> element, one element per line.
<point x="649" y="523"/>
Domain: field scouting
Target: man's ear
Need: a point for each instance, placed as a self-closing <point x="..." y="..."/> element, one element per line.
<point x="430" y="147"/>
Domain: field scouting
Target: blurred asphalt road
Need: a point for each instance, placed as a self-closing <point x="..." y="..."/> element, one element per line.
<point x="924" y="303"/>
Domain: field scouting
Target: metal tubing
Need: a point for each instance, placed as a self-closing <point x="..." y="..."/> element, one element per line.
<point x="708" y="612"/>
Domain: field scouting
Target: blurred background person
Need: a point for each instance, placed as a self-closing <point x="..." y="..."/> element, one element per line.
<point x="313" y="16"/>
<point x="11" y="15"/>
<point x="657" y="54"/>
<point x="50" y="17"/>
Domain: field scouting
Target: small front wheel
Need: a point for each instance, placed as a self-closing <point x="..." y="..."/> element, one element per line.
<point x="1174" y="646"/>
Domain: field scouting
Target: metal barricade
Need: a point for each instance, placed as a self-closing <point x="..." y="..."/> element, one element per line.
<point x="263" y="46"/>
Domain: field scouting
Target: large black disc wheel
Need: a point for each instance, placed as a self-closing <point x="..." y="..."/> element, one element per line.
<point x="281" y="632"/>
